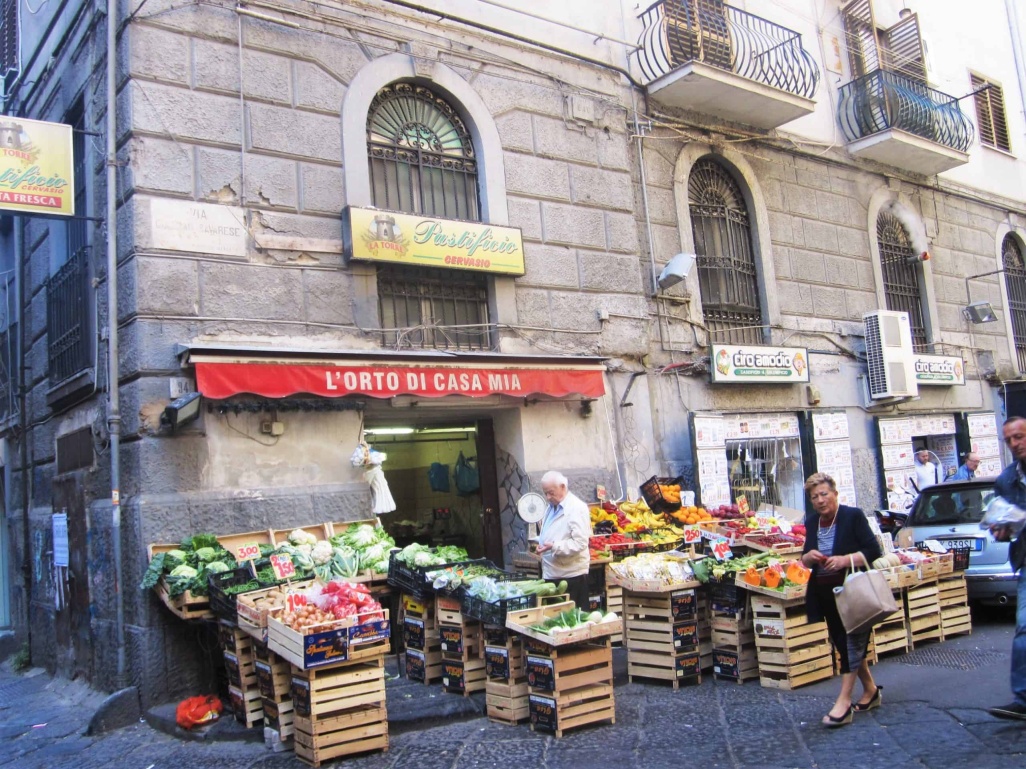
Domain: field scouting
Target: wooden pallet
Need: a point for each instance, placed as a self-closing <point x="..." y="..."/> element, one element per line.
<point x="463" y="676"/>
<point x="956" y="620"/>
<point x="324" y="692"/>
<point x="507" y="701"/>
<point x="358" y="730"/>
<point x="570" y="668"/>
<point x="572" y="709"/>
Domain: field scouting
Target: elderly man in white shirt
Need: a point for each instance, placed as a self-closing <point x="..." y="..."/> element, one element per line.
<point x="563" y="539"/>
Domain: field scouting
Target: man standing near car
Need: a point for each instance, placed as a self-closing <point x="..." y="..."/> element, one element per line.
<point x="967" y="471"/>
<point x="926" y="473"/>
<point x="1011" y="485"/>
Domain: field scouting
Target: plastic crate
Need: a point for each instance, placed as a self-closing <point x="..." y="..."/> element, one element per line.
<point x="727" y="595"/>
<point x="413" y="581"/>
<point x="222" y="603"/>
<point x="654" y="496"/>
<point x="961" y="558"/>
<point x="494" y="613"/>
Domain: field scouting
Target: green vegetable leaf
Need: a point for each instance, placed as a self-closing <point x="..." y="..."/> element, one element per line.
<point x="153" y="572"/>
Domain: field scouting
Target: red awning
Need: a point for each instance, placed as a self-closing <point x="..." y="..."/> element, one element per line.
<point x="220" y="378"/>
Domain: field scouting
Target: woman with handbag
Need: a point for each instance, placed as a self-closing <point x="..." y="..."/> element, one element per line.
<point x="837" y="538"/>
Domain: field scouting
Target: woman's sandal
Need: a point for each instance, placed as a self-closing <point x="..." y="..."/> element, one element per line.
<point x="832" y="722"/>
<point x="874" y="702"/>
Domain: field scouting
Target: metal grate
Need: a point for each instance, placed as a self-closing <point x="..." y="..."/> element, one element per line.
<point x="874" y="356"/>
<point x="432" y="308"/>
<point x="421" y="155"/>
<point x="956" y="659"/>
<point x="75" y="450"/>
<point x="726" y="265"/>
<point x="1015" y="284"/>
<point x="901" y="275"/>
<point x="9" y="33"/>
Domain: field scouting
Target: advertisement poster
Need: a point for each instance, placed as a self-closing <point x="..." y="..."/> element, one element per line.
<point x="759" y="364"/>
<point x="982" y="425"/>
<point x="896" y="430"/>
<point x="830" y="425"/>
<point x="36" y="167"/>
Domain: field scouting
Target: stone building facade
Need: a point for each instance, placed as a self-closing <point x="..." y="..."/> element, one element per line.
<point x="257" y="120"/>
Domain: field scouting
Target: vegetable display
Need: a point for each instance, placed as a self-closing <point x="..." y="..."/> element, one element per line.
<point x="668" y="568"/>
<point x="419" y="556"/>
<point x="491" y="591"/>
<point x="330" y="602"/>
<point x="572" y="619"/>
<point x="186" y="568"/>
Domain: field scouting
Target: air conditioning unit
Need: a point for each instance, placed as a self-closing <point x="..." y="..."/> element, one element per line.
<point x="892" y="371"/>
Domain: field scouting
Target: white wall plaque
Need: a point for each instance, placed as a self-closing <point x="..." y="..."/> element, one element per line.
<point x="204" y="228"/>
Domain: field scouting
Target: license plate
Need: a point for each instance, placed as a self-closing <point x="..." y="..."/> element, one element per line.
<point x="975" y="544"/>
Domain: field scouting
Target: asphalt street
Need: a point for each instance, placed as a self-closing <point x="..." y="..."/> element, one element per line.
<point x="934" y="717"/>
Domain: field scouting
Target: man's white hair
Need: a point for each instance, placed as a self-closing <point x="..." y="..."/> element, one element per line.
<point x="556" y="477"/>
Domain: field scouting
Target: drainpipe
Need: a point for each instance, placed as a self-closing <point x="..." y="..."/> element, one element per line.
<point x="113" y="377"/>
<point x="26" y="471"/>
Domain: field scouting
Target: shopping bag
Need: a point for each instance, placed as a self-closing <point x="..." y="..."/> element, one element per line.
<point x="467" y="480"/>
<point x="438" y="477"/>
<point x="864" y="600"/>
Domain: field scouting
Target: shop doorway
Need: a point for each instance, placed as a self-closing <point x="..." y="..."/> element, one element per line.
<point x="441" y="472"/>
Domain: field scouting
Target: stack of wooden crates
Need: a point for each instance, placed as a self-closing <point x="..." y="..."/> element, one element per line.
<point x="661" y="635"/>
<point x="791" y="651"/>
<point x="462" y="646"/>
<point x="733" y="640"/>
<point x="569" y="686"/>
<point x="239" y="662"/>
<point x="421" y="639"/>
<point x="274" y="679"/>
<point x="506" y="691"/>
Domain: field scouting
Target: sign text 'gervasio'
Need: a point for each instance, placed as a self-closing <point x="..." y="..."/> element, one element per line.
<point x="758" y="364"/>
<point x="373" y="235"/>
<point x="36" y="168"/>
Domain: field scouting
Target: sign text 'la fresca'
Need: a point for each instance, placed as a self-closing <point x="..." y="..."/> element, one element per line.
<point x="223" y="380"/>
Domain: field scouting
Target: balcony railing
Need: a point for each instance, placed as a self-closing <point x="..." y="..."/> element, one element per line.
<point x="681" y="31"/>
<point x="68" y="320"/>
<point x="884" y="100"/>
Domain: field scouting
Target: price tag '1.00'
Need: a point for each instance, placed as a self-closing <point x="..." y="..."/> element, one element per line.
<point x="247" y="552"/>
<point x="293" y="601"/>
<point x="721" y="549"/>
<point x="282" y="565"/>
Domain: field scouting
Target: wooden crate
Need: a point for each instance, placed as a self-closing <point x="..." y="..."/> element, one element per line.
<point x="324" y="692"/>
<point x="791" y="651"/>
<point x="572" y="709"/>
<point x="736" y="664"/>
<point x="279" y="716"/>
<point x="241" y="669"/>
<point x="955" y="620"/>
<point x="418" y="636"/>
<point x="570" y="668"/>
<point x="952" y="591"/>
<point x="447" y="611"/>
<point x="424" y="665"/>
<point x="319" y="530"/>
<point x="522" y="620"/>
<point x="359" y="730"/>
<point x="247" y="706"/>
<point x="423" y="610"/>
<point x="614" y="603"/>
<point x="462" y="641"/>
<point x="507" y="701"/>
<point x="185" y="606"/>
<point x="923" y="613"/>
<point x="504" y="662"/>
<point x="274" y="679"/>
<point x="463" y="676"/>
<point x="891" y="635"/>
<point x="348" y="640"/>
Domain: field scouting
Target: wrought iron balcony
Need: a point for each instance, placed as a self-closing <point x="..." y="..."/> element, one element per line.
<point x="882" y="113"/>
<point x="706" y="56"/>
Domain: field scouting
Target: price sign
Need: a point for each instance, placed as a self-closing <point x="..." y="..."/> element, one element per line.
<point x="692" y="534"/>
<point x="763" y="521"/>
<point x="742" y="505"/>
<point x="247" y="552"/>
<point x="934" y="546"/>
<point x="294" y="600"/>
<point x="282" y="565"/>
<point x="601" y="494"/>
<point x="721" y="549"/>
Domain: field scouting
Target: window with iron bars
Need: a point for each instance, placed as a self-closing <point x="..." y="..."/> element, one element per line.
<point x="9" y="59"/>
<point x="422" y="161"/>
<point x="1015" y="285"/>
<point x="67" y="291"/>
<point x="901" y="275"/>
<point x="727" y="275"/>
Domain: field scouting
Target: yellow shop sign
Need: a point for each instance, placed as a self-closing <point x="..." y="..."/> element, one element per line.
<point x="374" y="235"/>
<point x="36" y="171"/>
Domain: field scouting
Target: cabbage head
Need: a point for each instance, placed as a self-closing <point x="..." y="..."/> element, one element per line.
<point x="184" y="571"/>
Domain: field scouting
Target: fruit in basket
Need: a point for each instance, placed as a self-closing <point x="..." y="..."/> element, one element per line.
<point x="670" y="492"/>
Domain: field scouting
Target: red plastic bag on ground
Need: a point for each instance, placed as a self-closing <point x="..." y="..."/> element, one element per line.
<point x="204" y="709"/>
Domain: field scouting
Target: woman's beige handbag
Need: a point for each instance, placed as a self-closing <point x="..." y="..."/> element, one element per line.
<point x="864" y="600"/>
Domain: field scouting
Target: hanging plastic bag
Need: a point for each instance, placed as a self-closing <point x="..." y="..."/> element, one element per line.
<point x="438" y="477"/>
<point x="381" y="496"/>
<point x="468" y="481"/>
<point x="197" y="711"/>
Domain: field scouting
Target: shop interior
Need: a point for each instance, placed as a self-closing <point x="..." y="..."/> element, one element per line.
<point x="435" y="503"/>
<point x="767" y="470"/>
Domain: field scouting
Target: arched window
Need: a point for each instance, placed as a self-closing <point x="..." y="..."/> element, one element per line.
<point x="901" y="274"/>
<point x="726" y="263"/>
<point x="422" y="162"/>
<point x="1015" y="284"/>
<point x="421" y="157"/>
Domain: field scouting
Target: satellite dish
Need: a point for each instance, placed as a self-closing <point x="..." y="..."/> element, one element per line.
<point x="531" y="508"/>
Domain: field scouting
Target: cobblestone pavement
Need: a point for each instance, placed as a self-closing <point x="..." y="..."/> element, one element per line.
<point x="933" y="717"/>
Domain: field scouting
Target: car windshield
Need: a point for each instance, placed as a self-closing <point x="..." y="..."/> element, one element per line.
<point x="948" y="508"/>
